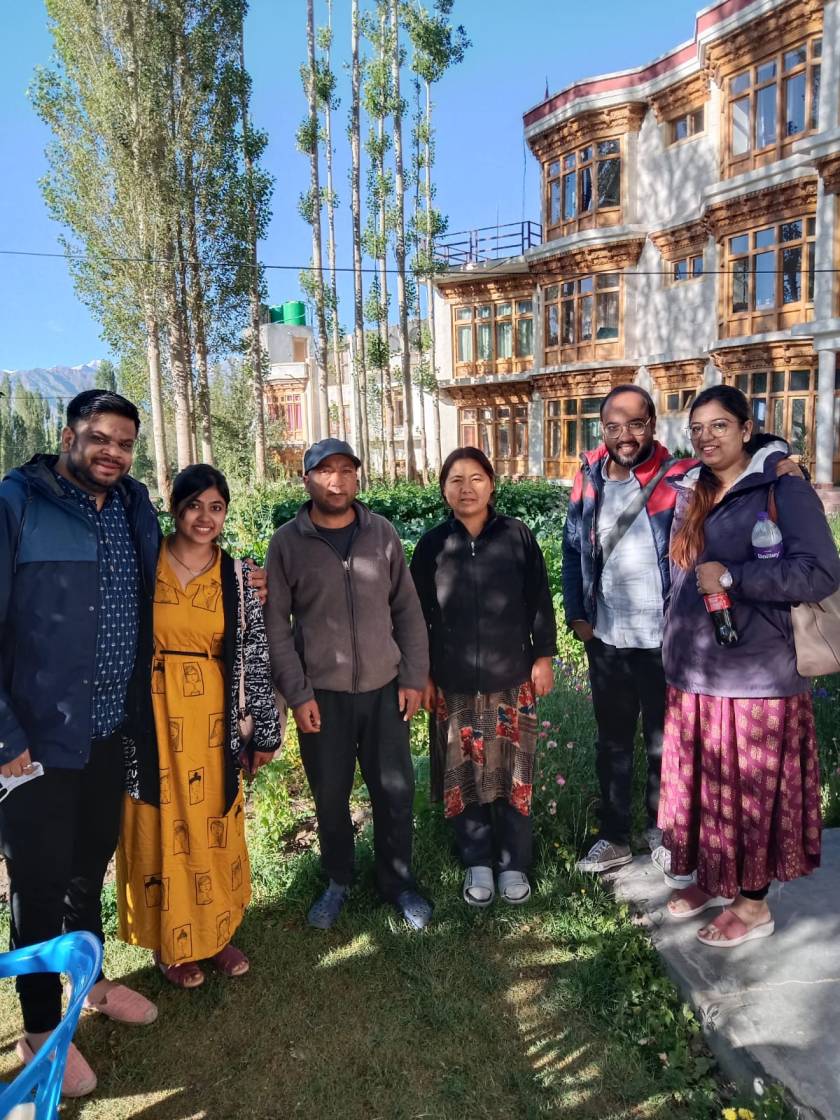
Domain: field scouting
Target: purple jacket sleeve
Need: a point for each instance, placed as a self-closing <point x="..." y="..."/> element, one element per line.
<point x="809" y="569"/>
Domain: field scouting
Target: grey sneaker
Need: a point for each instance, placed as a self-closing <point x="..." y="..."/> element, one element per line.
<point x="661" y="858"/>
<point x="325" y="910"/>
<point x="603" y="855"/>
<point x="653" y="838"/>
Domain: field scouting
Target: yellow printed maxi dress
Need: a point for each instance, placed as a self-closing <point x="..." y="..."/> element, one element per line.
<point x="184" y="867"/>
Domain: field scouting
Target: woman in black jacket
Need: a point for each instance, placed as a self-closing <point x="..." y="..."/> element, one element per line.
<point x="484" y="590"/>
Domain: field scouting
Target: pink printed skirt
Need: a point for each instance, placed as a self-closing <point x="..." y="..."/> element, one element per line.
<point x="740" y="795"/>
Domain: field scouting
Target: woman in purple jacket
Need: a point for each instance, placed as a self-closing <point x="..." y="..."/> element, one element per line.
<point x="740" y="801"/>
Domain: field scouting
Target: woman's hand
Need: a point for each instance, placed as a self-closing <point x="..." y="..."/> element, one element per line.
<point x="788" y="467"/>
<point x="708" y="577"/>
<point x="542" y="676"/>
<point x="260" y="759"/>
<point x="428" y="701"/>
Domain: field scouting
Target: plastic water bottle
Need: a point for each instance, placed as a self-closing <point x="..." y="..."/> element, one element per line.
<point x="766" y="538"/>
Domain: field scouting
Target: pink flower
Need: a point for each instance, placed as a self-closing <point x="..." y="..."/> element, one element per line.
<point x="541" y="734"/>
<point x="561" y="781"/>
<point x="546" y="723"/>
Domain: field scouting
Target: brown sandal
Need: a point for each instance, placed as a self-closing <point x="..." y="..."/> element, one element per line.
<point x="187" y="975"/>
<point x="231" y="961"/>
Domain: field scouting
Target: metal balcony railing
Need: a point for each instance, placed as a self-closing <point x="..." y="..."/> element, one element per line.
<point x="490" y="243"/>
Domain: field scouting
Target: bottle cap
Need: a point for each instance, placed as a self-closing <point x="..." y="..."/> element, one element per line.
<point x="763" y="516"/>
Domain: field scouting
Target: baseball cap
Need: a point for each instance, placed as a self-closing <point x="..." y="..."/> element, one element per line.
<point x="323" y="449"/>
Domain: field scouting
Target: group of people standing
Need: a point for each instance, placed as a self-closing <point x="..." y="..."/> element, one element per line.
<point x="145" y="676"/>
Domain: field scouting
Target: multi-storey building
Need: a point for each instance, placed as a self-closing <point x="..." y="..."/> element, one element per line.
<point x="689" y="236"/>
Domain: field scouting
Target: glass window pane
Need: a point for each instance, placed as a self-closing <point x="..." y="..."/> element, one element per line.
<point x="468" y="413"/>
<point x="568" y="288"/>
<point x="521" y="412"/>
<point x="816" y="48"/>
<point x="798" y="438"/>
<point x="551" y="325"/>
<point x="696" y="266"/>
<point x="554" y="441"/>
<point x="738" y="244"/>
<point x="742" y="382"/>
<point x="765" y="72"/>
<point x="607" y="312"/>
<point x="778" y="417"/>
<point x="485" y="342"/>
<point x="607" y="280"/>
<point x="765" y="280"/>
<point x="520" y="439"/>
<point x="468" y="435"/>
<point x="739" y="82"/>
<point x="764" y="237"/>
<point x="485" y="439"/>
<point x="591" y="404"/>
<point x="608" y="147"/>
<point x="463" y="313"/>
<point x="555" y="194"/>
<point x="815" y="97"/>
<point x="568" y="322"/>
<point x="672" y="402"/>
<point x="791" y="275"/>
<point x="765" y="116"/>
<point x="697" y="120"/>
<point x="570" y="407"/>
<point x="524" y="306"/>
<point x="811" y="258"/>
<point x="740" y="285"/>
<point x="585" y="284"/>
<point x="551" y="293"/>
<point x="465" y="344"/>
<point x="795" y="104"/>
<point x="585" y="190"/>
<point x="778" y="381"/>
<point x="609" y="182"/>
<point x="679" y="128"/>
<point x="680" y="270"/>
<point x="759" y="411"/>
<point x="800" y="380"/>
<point x="740" y="126"/>
<point x="503" y="310"/>
<point x="569" y="196"/>
<point x="554" y="168"/>
<point x="687" y="397"/>
<point x="485" y="311"/>
<point x="585" y="154"/>
<point x="759" y="382"/>
<point x="571" y="437"/>
<point x="591" y="434"/>
<point x="504" y="340"/>
<point x="503" y="440"/>
<point x="553" y="408"/>
<point x="569" y="160"/>
<point x="585" y="318"/>
<point x="795" y="57"/>
<point x="524" y="338"/>
<point x="503" y="412"/>
<point x="791" y="231"/>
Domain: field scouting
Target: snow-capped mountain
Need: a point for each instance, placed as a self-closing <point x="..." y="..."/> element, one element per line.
<point x="59" y="383"/>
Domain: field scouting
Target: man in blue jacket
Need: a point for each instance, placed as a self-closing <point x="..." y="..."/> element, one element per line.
<point x="79" y="541"/>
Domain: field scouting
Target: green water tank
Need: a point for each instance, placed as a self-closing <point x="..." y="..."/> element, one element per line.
<point x="275" y="314"/>
<point x="294" y="313"/>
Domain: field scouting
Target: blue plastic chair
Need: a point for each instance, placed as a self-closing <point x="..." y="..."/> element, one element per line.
<point x="79" y="956"/>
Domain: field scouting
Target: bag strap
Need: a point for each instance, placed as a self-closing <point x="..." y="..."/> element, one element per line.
<point x="772" y="512"/>
<point x="630" y="513"/>
<point x="237" y="567"/>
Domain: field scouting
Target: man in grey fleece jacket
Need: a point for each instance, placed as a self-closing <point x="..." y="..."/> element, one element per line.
<point x="349" y="652"/>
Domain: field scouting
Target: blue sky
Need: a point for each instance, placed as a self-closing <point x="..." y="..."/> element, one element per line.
<point x="483" y="172"/>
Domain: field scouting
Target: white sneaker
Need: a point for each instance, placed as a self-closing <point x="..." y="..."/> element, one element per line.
<point x="660" y="857"/>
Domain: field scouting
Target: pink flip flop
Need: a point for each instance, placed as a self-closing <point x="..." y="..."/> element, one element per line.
<point x="735" y="931"/>
<point x="697" y="900"/>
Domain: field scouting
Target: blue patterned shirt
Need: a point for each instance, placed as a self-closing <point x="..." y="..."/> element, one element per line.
<point x="118" y="618"/>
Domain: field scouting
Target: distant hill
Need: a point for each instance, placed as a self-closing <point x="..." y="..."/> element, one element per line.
<point x="58" y="384"/>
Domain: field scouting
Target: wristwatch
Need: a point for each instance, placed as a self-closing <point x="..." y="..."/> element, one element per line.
<point x="725" y="579"/>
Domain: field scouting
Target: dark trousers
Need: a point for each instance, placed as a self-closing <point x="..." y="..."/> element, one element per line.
<point x="58" y="834"/>
<point x="624" y="683"/>
<point x="494" y="835"/>
<point x="370" y="727"/>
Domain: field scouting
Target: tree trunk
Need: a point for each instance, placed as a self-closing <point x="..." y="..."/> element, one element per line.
<point x="399" y="249"/>
<point x="178" y="367"/>
<point x="430" y="287"/>
<point x="184" y="319"/>
<point x="336" y="337"/>
<point x="197" y="309"/>
<point x="360" y="380"/>
<point x="390" y="447"/>
<point x="254" y="347"/>
<point x="418" y="301"/>
<point x="320" y="333"/>
<point x="164" y="481"/>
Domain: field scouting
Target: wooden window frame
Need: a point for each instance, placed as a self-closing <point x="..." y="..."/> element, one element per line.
<point x="782" y="144"/>
<point x="280" y="401"/>
<point x="753" y="319"/>
<point x="690" y="264"/>
<point x="576" y="292"/>
<point x="477" y="422"/>
<point x="563" y="415"/>
<point x="467" y="314"/>
<point x="772" y="394"/>
<point x="577" y="161"/>
<point x="693" y="126"/>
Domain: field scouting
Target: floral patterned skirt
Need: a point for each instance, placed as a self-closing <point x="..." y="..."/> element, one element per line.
<point x="740" y="797"/>
<point x="482" y="748"/>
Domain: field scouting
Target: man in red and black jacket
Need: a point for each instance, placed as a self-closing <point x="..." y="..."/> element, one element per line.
<point x="616" y="608"/>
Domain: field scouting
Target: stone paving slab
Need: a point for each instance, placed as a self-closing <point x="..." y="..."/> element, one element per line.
<point x="770" y="1008"/>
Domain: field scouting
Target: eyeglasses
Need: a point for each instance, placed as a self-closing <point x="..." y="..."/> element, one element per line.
<point x="716" y="428"/>
<point x="634" y="427"/>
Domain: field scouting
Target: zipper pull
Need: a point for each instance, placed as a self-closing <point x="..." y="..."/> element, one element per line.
<point x="472" y="547"/>
<point x="346" y="564"/>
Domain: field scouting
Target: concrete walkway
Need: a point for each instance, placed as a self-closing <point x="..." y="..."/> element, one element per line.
<point x="771" y="1008"/>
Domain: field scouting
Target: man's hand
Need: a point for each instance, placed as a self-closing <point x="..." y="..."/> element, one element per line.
<point x="429" y="697"/>
<point x="258" y="583"/>
<point x="583" y="629"/>
<point x="308" y="717"/>
<point x="542" y="676"/>
<point x="787" y="466"/>
<point x="17" y="767"/>
<point x="708" y="577"/>
<point x="409" y="702"/>
<point x="260" y="759"/>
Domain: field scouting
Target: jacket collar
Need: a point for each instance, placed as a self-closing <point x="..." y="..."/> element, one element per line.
<point x="306" y="527"/>
<point x="760" y="471"/>
<point x="593" y="462"/>
<point x="39" y="474"/>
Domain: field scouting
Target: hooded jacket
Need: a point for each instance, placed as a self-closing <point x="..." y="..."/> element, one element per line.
<point x="356" y="624"/>
<point x="49" y="605"/>
<point x="581" y="565"/>
<point x="763" y="663"/>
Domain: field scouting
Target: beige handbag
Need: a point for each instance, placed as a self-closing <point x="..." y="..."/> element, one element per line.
<point x="816" y="628"/>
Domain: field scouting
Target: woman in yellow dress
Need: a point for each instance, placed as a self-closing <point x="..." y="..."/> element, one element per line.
<point x="183" y="876"/>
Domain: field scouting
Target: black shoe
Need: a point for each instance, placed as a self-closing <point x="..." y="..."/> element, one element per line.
<point x="416" y="910"/>
<point x="325" y="910"/>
